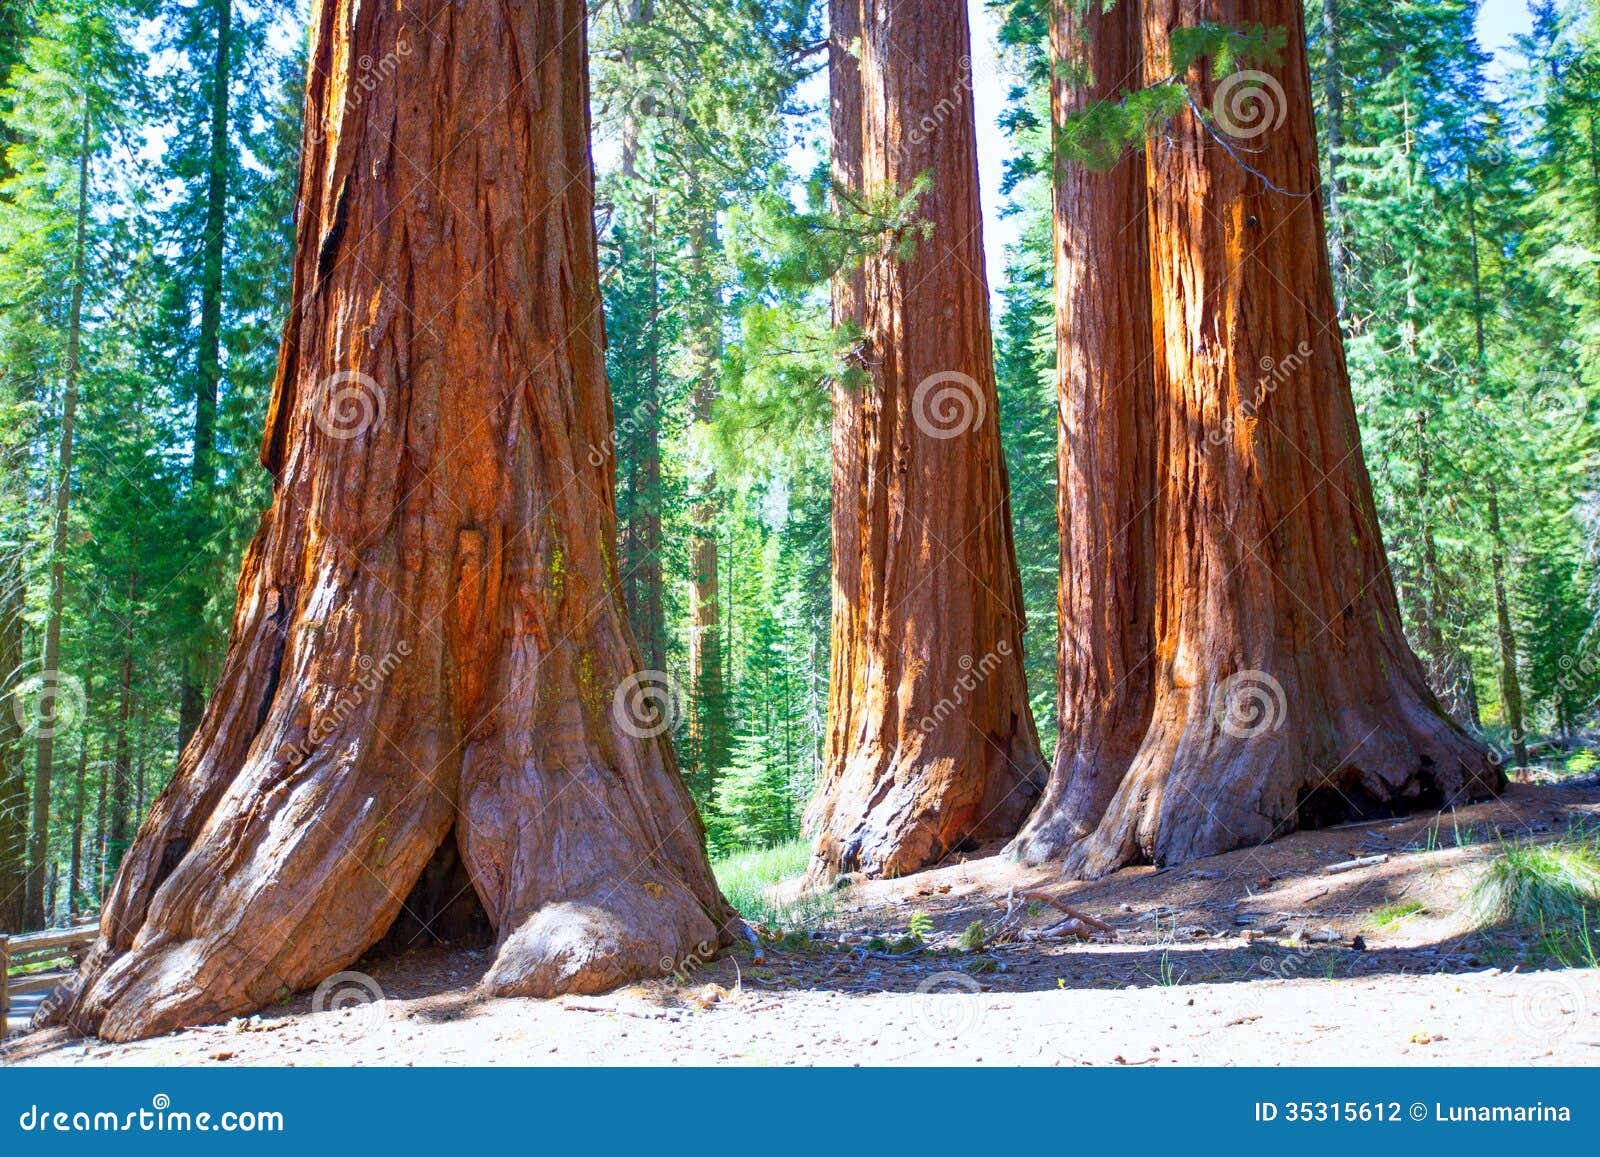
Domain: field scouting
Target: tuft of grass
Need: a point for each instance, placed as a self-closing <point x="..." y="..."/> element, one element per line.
<point x="1552" y="887"/>
<point x="1391" y="914"/>
<point x="1169" y="975"/>
<point x="747" y="878"/>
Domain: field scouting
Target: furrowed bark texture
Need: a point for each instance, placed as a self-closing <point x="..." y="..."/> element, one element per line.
<point x="1285" y="693"/>
<point x="1106" y="391"/>
<point x="931" y="743"/>
<point x="428" y="644"/>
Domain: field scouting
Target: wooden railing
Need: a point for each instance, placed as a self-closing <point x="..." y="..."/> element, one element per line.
<point x="57" y="946"/>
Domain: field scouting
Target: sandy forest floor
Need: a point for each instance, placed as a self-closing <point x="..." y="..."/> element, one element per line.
<point x="1255" y="957"/>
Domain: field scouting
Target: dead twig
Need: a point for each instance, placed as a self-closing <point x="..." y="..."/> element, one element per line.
<point x="1067" y="909"/>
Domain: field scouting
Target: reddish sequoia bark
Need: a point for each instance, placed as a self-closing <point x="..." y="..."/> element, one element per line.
<point x="429" y="645"/>
<point x="1285" y="694"/>
<point x="931" y="743"/>
<point x="1106" y="493"/>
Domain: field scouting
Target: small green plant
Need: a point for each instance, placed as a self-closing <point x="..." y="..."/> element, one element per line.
<point x="973" y="937"/>
<point x="1572" y="948"/>
<point x="1391" y="914"/>
<point x="921" y="927"/>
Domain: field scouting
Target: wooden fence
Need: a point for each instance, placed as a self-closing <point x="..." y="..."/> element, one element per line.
<point x="41" y="960"/>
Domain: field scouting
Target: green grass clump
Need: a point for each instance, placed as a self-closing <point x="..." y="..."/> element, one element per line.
<point x="1391" y="914"/>
<point x="1582" y="762"/>
<point x="747" y="877"/>
<point x="1551" y="887"/>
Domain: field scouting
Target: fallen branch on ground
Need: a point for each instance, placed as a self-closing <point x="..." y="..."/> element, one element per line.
<point x="1041" y="897"/>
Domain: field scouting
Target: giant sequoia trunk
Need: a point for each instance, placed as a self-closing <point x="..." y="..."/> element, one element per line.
<point x="429" y="656"/>
<point x="1106" y="461"/>
<point x="1284" y="693"/>
<point x="931" y="744"/>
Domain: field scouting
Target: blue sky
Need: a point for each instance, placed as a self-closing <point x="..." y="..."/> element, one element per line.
<point x="1498" y="22"/>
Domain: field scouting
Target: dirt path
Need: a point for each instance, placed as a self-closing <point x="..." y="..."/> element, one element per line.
<point x="1445" y="1020"/>
<point x="1256" y="957"/>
